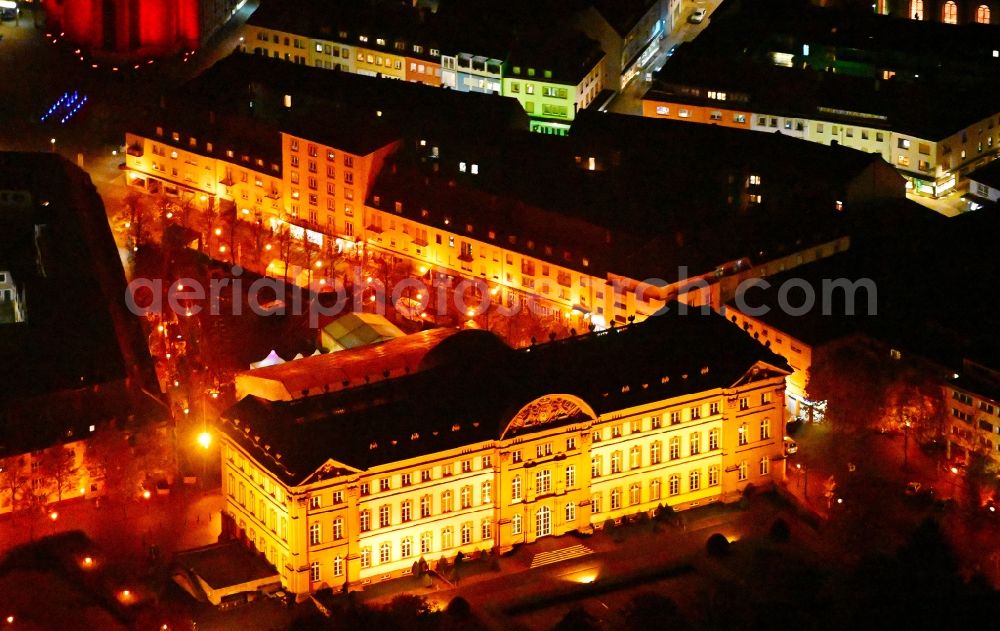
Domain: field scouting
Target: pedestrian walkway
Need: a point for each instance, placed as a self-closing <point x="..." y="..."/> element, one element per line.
<point x="562" y="554"/>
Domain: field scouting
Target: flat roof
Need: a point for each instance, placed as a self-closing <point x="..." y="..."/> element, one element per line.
<point x="344" y="369"/>
<point x="225" y="564"/>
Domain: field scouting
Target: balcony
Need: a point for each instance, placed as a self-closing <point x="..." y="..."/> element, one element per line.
<point x="135" y="150"/>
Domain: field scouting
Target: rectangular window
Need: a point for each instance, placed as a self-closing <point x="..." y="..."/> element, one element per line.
<point x="543" y="482"/>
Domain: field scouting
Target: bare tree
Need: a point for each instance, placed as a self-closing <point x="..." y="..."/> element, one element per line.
<point x="309" y="249"/>
<point x="285" y="244"/>
<point x="58" y="465"/>
<point x="13" y="482"/>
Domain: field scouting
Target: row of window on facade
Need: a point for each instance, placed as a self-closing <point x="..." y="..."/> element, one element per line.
<point x="409" y="547"/>
<point x="949" y="12"/>
<point x="543" y="518"/>
<point x="208" y="148"/>
<point x="654" y="492"/>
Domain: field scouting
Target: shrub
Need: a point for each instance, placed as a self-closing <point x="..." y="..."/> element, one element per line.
<point x="458" y="607"/>
<point x="717" y="545"/>
<point x="780" y="532"/>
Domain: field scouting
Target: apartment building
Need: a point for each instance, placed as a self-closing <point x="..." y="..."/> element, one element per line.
<point x="605" y="230"/>
<point x="872" y="115"/>
<point x="798" y="78"/>
<point x="446" y="49"/>
<point x="974" y="411"/>
<point x="631" y="33"/>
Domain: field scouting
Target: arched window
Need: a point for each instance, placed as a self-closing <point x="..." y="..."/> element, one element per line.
<point x="983" y="14"/>
<point x="515" y="488"/>
<point x="950" y="13"/>
<point x="917" y="9"/>
<point x="570" y="512"/>
<point x="515" y="525"/>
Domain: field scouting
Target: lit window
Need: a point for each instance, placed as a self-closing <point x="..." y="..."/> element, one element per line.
<point x="917" y="9"/>
<point x="983" y="14"/>
<point x="950" y="13"/>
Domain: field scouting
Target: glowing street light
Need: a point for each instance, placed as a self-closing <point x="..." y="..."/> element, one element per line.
<point x="146" y="494"/>
<point x="53" y="515"/>
<point x="205" y="440"/>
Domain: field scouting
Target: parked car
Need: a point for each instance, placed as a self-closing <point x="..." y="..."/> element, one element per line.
<point x="698" y="16"/>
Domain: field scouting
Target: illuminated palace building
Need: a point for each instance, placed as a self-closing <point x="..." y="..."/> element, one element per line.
<point x="141" y="27"/>
<point x="445" y="441"/>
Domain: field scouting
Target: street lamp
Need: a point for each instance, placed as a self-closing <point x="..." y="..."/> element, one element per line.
<point x="52" y="144"/>
<point x="205" y="440"/>
<point x="804" y="479"/>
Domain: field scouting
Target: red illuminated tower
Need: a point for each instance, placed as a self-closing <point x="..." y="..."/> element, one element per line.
<point x="140" y="27"/>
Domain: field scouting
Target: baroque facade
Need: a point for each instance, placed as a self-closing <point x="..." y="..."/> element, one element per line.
<point x="357" y="485"/>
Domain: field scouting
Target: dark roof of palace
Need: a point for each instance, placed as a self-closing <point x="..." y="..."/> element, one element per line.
<point x="473" y="387"/>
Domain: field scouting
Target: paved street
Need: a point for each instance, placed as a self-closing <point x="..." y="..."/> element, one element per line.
<point x="186" y="518"/>
<point x="629" y="101"/>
